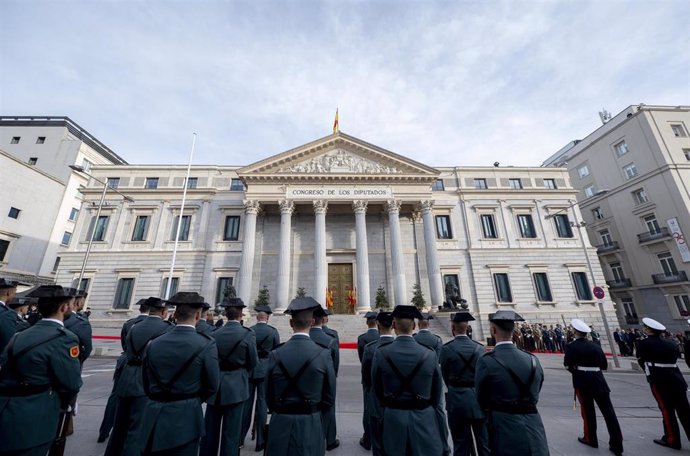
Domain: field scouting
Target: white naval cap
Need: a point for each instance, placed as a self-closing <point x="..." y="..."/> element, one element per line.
<point x="653" y="324"/>
<point x="580" y="325"/>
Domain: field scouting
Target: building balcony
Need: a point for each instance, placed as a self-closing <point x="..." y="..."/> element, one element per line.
<point x="632" y="320"/>
<point x="622" y="283"/>
<point x="654" y="236"/>
<point x="679" y="276"/>
<point x="607" y="248"/>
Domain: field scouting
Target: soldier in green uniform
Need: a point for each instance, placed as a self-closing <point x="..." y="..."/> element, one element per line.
<point x="507" y="382"/>
<point x="39" y="376"/>
<point x="465" y="417"/>
<point x="237" y="355"/>
<point x="363" y="339"/>
<point x="407" y="381"/>
<point x="425" y="337"/>
<point x="7" y="291"/>
<point x="331" y="332"/>
<point x="319" y="336"/>
<point x="180" y="371"/>
<point x="12" y="320"/>
<point x="267" y="338"/>
<point x="384" y="321"/>
<point x="596" y="338"/>
<point x="300" y="382"/>
<point x="80" y="325"/>
<point x="132" y="399"/>
<point x="203" y="326"/>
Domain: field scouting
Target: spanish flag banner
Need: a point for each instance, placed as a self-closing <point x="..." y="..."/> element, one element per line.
<point x="329" y="298"/>
<point x="335" y="122"/>
<point x="352" y="298"/>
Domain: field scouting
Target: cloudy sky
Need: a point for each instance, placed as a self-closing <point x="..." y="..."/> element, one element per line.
<point x="446" y="83"/>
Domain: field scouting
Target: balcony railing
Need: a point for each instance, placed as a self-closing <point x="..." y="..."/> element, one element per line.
<point x="649" y="236"/>
<point x="622" y="283"/>
<point x="679" y="276"/>
<point x="632" y="320"/>
<point x="609" y="247"/>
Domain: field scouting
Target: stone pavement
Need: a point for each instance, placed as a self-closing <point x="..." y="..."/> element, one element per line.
<point x="637" y="411"/>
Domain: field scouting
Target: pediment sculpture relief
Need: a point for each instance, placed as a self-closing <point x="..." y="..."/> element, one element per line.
<point x="340" y="161"/>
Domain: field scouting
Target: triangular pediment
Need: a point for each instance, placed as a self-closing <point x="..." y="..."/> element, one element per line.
<point x="337" y="157"/>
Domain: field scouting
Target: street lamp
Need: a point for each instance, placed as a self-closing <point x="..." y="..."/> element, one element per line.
<point x="580" y="225"/>
<point x="81" y="169"/>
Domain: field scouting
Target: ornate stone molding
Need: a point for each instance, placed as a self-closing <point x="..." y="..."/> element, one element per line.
<point x="252" y="206"/>
<point x="360" y="206"/>
<point x="416" y="216"/>
<point x="320" y="206"/>
<point x="425" y="206"/>
<point x="286" y="207"/>
<point x="340" y="161"/>
<point x="393" y="206"/>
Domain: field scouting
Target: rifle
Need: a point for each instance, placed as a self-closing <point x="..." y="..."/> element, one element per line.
<point x="58" y="446"/>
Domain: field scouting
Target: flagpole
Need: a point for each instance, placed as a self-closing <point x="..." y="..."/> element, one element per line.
<point x="179" y="220"/>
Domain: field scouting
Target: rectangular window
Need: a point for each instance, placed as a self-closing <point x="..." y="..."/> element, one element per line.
<point x="15" y="139"/>
<point x="515" y="184"/>
<point x="443" y="230"/>
<point x="621" y="148"/>
<point x="173" y="286"/>
<point x="222" y="288"/>
<point x="151" y="183"/>
<point x="668" y="265"/>
<point x="41" y="140"/>
<point x="678" y="131"/>
<point x="606" y="237"/>
<point x="113" y="182"/>
<point x="488" y="226"/>
<point x="86" y="164"/>
<point x="33" y="160"/>
<point x="236" y="185"/>
<point x="550" y="184"/>
<point x="563" y="226"/>
<point x="14" y="213"/>
<point x="56" y="265"/>
<point x="184" y="228"/>
<point x="640" y="196"/>
<point x="652" y="224"/>
<point x="582" y="286"/>
<point x="437" y="186"/>
<point x="617" y="272"/>
<point x="141" y="228"/>
<point x="480" y="184"/>
<point x="192" y="182"/>
<point x="84" y="285"/>
<point x="686" y="152"/>
<point x="74" y="214"/>
<point x="541" y="284"/>
<point x="583" y="171"/>
<point x="232" y="228"/>
<point x="597" y="213"/>
<point x="629" y="308"/>
<point x="502" y="285"/>
<point x="682" y="304"/>
<point x="101" y="226"/>
<point x="4" y="246"/>
<point x="630" y="171"/>
<point x="66" y="238"/>
<point x="589" y="191"/>
<point x="123" y="294"/>
<point x="526" y="226"/>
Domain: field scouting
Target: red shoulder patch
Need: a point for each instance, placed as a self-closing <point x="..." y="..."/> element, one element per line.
<point x="74" y="351"/>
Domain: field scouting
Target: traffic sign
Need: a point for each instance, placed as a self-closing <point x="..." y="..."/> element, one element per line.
<point x="599" y="292"/>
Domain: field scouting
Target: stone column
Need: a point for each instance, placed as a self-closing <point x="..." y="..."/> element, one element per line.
<point x="244" y="275"/>
<point x="432" y="265"/>
<point x="320" y="264"/>
<point x="362" y="252"/>
<point x="284" y="257"/>
<point x="399" y="285"/>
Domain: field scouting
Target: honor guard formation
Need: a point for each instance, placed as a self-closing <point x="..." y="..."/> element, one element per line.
<point x="186" y="386"/>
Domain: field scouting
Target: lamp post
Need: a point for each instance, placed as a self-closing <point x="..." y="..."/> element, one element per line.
<point x="580" y="225"/>
<point x="80" y="169"/>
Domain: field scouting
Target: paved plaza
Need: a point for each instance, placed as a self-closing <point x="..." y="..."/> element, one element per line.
<point x="637" y="411"/>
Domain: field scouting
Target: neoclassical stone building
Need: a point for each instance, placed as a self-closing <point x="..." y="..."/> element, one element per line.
<point x="340" y="215"/>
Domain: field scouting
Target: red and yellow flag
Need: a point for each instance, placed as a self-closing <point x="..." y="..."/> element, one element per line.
<point x="329" y="298"/>
<point x="352" y="298"/>
<point x="335" y="122"/>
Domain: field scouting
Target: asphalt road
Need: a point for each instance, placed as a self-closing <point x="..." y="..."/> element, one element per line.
<point x="637" y="412"/>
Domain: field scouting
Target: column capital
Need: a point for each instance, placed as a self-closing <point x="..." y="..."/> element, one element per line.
<point x="425" y="206"/>
<point x="320" y="206"/>
<point x="252" y="206"/>
<point x="393" y="206"/>
<point x="286" y="207"/>
<point x="360" y="206"/>
<point x="416" y="216"/>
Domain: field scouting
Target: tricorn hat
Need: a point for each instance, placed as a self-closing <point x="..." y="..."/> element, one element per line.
<point x="19" y="302"/>
<point x="427" y="316"/>
<point x="4" y="283"/>
<point x="370" y="315"/>
<point x="302" y="304"/>
<point x="155" y="303"/>
<point x="406" y="311"/>
<point x="50" y="293"/>
<point x="459" y="317"/>
<point x="188" y="298"/>
<point x="232" y="302"/>
<point x="205" y="306"/>
<point x="505" y="315"/>
<point x="385" y="318"/>
<point x="264" y="308"/>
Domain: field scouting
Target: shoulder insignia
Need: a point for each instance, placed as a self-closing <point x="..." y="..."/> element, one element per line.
<point x="63" y="330"/>
<point x="74" y="351"/>
<point x="321" y="345"/>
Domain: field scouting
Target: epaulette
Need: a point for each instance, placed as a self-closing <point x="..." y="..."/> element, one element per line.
<point x="449" y="342"/>
<point x="279" y="345"/>
<point x="63" y="330"/>
<point x="204" y="335"/>
<point x="477" y="342"/>
<point x="248" y="329"/>
<point x="321" y="345"/>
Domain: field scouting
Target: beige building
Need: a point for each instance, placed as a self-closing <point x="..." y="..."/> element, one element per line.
<point x="640" y="225"/>
<point x="340" y="215"/>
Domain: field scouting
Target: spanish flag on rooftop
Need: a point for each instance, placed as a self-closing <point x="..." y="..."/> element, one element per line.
<point x="335" y="122"/>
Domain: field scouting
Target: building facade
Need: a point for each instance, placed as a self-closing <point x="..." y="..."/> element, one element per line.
<point x="633" y="179"/>
<point x="41" y="202"/>
<point x="343" y="216"/>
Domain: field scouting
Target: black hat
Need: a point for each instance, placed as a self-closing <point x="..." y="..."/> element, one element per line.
<point x="155" y="303"/>
<point x="18" y="302"/>
<point x="232" y="302"/>
<point x="47" y="293"/>
<point x="205" y="306"/>
<point x="264" y="308"/>
<point x="327" y="311"/>
<point x="385" y="318"/>
<point x="141" y="303"/>
<point x="189" y="298"/>
<point x="320" y="312"/>
<point x="4" y="283"/>
<point x="370" y="315"/>
<point x="427" y="316"/>
<point x="411" y="312"/>
<point x="72" y="291"/>
<point x="459" y="317"/>
<point x="505" y="315"/>
<point x="300" y="304"/>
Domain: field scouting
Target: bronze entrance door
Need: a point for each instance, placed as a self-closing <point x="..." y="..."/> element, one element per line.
<point x="340" y="284"/>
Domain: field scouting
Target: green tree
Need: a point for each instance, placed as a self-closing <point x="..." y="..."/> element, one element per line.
<point x="381" y="299"/>
<point x="264" y="298"/>
<point x="418" y="297"/>
<point x="301" y="293"/>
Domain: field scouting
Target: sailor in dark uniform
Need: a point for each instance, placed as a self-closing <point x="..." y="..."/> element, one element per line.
<point x="465" y="417"/>
<point x="508" y="382"/>
<point x="384" y="321"/>
<point x="39" y="376"/>
<point x="203" y="326"/>
<point x="425" y="337"/>
<point x="237" y="356"/>
<point x="300" y="382"/>
<point x="12" y="320"/>
<point x="111" y="405"/>
<point x="318" y="335"/>
<point x="363" y="339"/>
<point x="407" y="381"/>
<point x="180" y="371"/>
<point x="659" y="359"/>
<point x="267" y="338"/>
<point x="585" y="360"/>
<point x="132" y="399"/>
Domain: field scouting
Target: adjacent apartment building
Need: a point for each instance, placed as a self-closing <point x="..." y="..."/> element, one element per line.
<point x="40" y="198"/>
<point x="633" y="177"/>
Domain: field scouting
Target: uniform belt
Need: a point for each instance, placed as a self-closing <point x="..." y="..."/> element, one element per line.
<point x="397" y="404"/>
<point x="588" y="369"/>
<point x="514" y="409"/>
<point x="23" y="390"/>
<point x="168" y="397"/>
<point x="296" y="409"/>
<point x="670" y="366"/>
